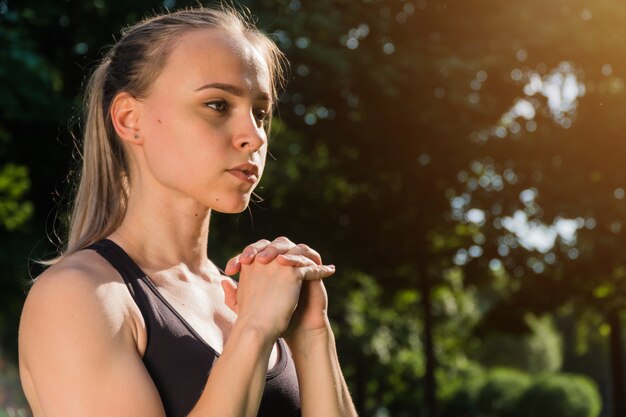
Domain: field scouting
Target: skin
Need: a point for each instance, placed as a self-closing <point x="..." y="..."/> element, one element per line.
<point x="79" y="322"/>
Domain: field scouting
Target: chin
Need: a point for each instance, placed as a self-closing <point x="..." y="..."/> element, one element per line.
<point x="232" y="207"/>
<point x="234" y="211"/>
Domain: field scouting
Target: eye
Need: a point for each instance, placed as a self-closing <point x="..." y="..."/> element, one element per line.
<point x="218" y="105"/>
<point x="261" y="116"/>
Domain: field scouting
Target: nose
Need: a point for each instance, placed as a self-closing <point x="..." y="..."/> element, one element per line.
<point x="248" y="134"/>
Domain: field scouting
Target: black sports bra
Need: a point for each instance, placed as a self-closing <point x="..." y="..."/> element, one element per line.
<point x="179" y="360"/>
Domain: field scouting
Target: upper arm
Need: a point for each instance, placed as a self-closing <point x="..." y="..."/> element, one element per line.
<point x="79" y="353"/>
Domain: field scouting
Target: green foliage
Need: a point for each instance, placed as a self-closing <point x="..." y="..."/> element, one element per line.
<point x="382" y="341"/>
<point x="500" y="394"/>
<point x="458" y="308"/>
<point x="14" y="183"/>
<point x="27" y="80"/>
<point x="298" y="165"/>
<point x="504" y="392"/>
<point x="538" y="351"/>
<point x="561" y="396"/>
<point x="463" y="402"/>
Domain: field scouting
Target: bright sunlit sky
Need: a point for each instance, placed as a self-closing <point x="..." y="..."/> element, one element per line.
<point x="556" y="93"/>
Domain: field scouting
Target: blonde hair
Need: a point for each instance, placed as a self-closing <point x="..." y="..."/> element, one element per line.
<point x="132" y="65"/>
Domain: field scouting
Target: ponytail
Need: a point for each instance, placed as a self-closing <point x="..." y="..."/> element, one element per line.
<point x="100" y="201"/>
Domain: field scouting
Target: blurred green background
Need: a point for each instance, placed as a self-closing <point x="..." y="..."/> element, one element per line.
<point x="462" y="162"/>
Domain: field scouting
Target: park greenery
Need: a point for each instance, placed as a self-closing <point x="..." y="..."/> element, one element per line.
<point x="460" y="161"/>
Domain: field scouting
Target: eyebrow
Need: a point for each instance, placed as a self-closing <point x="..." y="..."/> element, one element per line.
<point x="232" y="89"/>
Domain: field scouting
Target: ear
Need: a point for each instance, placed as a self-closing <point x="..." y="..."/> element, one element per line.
<point x="125" y="117"/>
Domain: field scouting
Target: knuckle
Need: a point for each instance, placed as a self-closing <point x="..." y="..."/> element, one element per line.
<point x="297" y="259"/>
<point x="300" y="274"/>
<point x="282" y="239"/>
<point x="304" y="247"/>
<point x="306" y="260"/>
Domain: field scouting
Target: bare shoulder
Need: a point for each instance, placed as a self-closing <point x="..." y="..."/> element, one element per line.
<point x="66" y="297"/>
<point x="76" y="333"/>
<point x="83" y="283"/>
<point x="83" y="267"/>
<point x="82" y="289"/>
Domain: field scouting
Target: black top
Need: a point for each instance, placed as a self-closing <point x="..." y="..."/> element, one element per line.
<point x="179" y="360"/>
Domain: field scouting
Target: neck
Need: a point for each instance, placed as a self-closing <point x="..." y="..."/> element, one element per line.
<point x="160" y="231"/>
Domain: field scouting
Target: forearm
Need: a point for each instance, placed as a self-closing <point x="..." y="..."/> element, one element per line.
<point x="323" y="390"/>
<point x="235" y="385"/>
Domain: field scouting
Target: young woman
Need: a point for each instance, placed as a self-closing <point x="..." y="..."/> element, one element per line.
<point x="133" y="320"/>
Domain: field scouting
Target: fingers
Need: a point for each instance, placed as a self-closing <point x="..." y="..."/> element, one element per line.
<point x="251" y="251"/>
<point x="230" y="294"/>
<point x="246" y="257"/>
<point x="316" y="272"/>
<point x="307" y="269"/>
<point x="279" y="246"/>
<point x="265" y="252"/>
<point x="294" y="260"/>
<point x="304" y="250"/>
<point x="233" y="266"/>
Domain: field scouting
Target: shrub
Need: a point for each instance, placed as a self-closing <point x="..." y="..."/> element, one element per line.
<point x="535" y="352"/>
<point x="463" y="403"/>
<point x="501" y="392"/>
<point x="560" y="395"/>
<point x="511" y="393"/>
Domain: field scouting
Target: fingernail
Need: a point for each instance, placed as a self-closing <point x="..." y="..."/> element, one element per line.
<point x="331" y="267"/>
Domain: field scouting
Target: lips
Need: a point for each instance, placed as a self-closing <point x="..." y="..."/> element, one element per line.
<point x="245" y="172"/>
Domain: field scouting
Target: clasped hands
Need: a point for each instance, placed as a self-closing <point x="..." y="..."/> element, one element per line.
<point x="280" y="289"/>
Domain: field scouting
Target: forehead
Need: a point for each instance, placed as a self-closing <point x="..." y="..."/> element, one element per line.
<point x="214" y="55"/>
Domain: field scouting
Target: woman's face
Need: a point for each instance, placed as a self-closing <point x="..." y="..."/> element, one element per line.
<point x="203" y="121"/>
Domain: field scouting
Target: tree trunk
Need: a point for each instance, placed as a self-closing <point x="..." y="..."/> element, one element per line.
<point x="430" y="384"/>
<point x="617" y="364"/>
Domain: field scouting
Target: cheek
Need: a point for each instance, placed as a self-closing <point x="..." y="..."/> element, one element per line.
<point x="166" y="155"/>
<point x="162" y="160"/>
<point x="263" y="158"/>
<point x="183" y="155"/>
